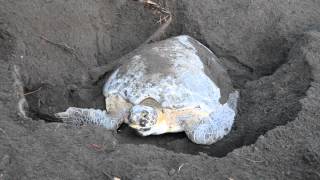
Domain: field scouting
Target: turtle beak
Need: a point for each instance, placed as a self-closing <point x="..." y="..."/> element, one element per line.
<point x="134" y="126"/>
<point x="62" y="115"/>
<point x="141" y="131"/>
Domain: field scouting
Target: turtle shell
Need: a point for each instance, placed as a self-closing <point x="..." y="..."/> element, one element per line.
<point x="178" y="73"/>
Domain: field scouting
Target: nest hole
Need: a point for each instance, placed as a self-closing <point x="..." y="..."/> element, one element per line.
<point x="265" y="103"/>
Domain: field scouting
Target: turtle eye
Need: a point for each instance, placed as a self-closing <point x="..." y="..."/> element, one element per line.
<point x="143" y="123"/>
<point x="144" y="114"/>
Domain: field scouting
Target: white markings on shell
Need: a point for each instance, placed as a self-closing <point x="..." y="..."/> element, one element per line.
<point x="186" y="86"/>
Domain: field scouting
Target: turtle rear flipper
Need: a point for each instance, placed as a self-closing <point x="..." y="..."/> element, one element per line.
<point x="212" y="128"/>
<point x="81" y="116"/>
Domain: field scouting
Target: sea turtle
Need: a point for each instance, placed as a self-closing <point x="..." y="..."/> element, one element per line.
<point x="174" y="85"/>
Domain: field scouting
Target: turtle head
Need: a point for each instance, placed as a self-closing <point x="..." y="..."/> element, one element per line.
<point x="143" y="119"/>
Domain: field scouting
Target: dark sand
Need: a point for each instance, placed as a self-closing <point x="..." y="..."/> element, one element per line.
<point x="271" y="50"/>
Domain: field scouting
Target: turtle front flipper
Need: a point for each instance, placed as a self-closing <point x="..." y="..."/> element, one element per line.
<point x="81" y="116"/>
<point x="214" y="127"/>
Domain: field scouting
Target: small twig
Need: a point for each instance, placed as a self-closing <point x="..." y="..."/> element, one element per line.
<point x="180" y="167"/>
<point x="18" y="85"/>
<point x="163" y="19"/>
<point x="254" y="161"/>
<point x="166" y="21"/>
<point x="155" y="6"/>
<point x="62" y="46"/>
<point x="28" y="93"/>
<point x="160" y="31"/>
<point x="108" y="175"/>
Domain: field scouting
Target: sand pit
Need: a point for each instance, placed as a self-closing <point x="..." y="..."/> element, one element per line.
<point x="270" y="49"/>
